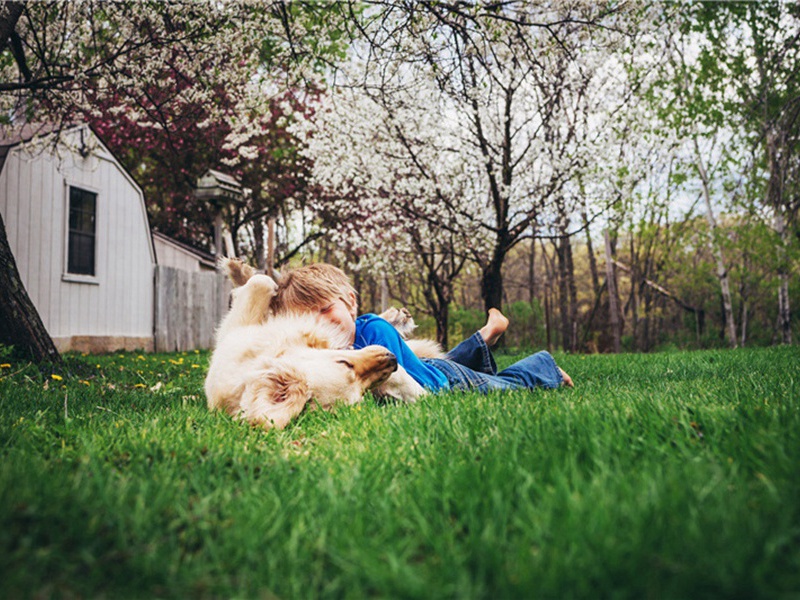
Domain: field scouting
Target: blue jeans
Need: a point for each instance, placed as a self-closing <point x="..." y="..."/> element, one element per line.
<point x="471" y="366"/>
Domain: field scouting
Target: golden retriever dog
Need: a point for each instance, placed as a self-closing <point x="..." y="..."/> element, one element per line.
<point x="267" y="368"/>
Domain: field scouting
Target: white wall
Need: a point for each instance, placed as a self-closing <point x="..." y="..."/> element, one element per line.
<point x="118" y="301"/>
<point x="172" y="255"/>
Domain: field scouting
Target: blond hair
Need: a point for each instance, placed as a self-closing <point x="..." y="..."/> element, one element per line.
<point x="307" y="288"/>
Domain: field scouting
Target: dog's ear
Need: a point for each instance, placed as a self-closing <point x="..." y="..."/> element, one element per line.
<point x="274" y="397"/>
<point x="237" y="271"/>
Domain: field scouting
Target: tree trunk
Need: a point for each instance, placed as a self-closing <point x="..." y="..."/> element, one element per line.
<point x="592" y="258"/>
<point x="743" y="323"/>
<point x="563" y="297"/>
<point x="784" y="313"/>
<point x="258" y="242"/>
<point x="20" y="323"/>
<point x="722" y="270"/>
<point x="492" y="283"/>
<point x="270" y="262"/>
<point x="547" y="316"/>
<point x="649" y="320"/>
<point x="8" y="22"/>
<point x="548" y="291"/>
<point x="613" y="299"/>
<point x="437" y="296"/>
<point x="775" y="196"/>
<point x="384" y="293"/>
<point x="633" y="298"/>
<point x="532" y="268"/>
<point x="572" y="290"/>
<point x="442" y="321"/>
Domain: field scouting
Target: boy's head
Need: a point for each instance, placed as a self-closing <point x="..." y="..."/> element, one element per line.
<point x="321" y="289"/>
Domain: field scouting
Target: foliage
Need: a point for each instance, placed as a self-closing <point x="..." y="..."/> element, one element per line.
<point x="438" y="136"/>
<point x="678" y="470"/>
<point x="529" y="329"/>
<point x="449" y="133"/>
<point x="167" y="161"/>
<point x="176" y="88"/>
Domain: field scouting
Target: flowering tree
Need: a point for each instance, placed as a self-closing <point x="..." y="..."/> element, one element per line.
<point x="460" y="124"/>
<point x="377" y="204"/>
<point x="167" y="162"/>
<point x="159" y="60"/>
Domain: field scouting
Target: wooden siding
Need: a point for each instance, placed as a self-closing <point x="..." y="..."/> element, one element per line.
<point x="118" y="300"/>
<point x="189" y="306"/>
<point x="169" y="254"/>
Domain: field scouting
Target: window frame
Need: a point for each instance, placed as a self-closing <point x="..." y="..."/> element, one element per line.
<point x="67" y="275"/>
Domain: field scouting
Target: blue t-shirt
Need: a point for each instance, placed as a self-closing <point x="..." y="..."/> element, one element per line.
<point x="372" y="329"/>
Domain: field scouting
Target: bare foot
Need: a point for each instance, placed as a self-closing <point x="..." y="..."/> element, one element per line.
<point x="496" y="326"/>
<point x="567" y="379"/>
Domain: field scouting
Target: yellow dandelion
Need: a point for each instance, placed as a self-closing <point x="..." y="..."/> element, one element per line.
<point x="195" y="366"/>
<point x="5" y="366"/>
<point x="140" y="385"/>
<point x="83" y="381"/>
<point x="57" y="377"/>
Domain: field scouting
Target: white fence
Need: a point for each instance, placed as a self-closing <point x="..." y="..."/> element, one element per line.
<point x="188" y="308"/>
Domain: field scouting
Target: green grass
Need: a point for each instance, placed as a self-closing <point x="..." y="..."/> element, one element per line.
<point x="660" y="476"/>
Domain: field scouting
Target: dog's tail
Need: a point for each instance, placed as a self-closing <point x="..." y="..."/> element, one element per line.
<point x="425" y="348"/>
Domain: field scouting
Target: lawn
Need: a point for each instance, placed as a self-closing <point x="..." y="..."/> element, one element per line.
<point x="659" y="476"/>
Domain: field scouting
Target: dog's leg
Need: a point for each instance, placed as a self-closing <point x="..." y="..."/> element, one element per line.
<point x="237" y="271"/>
<point x="250" y="305"/>
<point x="400" y="319"/>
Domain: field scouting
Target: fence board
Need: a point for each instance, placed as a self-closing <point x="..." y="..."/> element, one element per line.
<point x="189" y="306"/>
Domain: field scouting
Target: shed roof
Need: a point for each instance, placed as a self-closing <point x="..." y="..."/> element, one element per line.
<point x="14" y="135"/>
<point x="202" y="257"/>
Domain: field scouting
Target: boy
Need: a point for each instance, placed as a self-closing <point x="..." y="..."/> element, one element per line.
<point x="325" y="290"/>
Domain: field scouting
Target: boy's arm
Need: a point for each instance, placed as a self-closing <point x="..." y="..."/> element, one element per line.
<point x="380" y="332"/>
<point x="371" y="329"/>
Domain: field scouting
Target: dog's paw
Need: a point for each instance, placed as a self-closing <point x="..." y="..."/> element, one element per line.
<point x="237" y="270"/>
<point x="401" y="320"/>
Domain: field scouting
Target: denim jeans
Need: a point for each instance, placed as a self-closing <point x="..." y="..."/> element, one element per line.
<point x="471" y="366"/>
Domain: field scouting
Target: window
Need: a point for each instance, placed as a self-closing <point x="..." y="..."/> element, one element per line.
<point x="81" y="249"/>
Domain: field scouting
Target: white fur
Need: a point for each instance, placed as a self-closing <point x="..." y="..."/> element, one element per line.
<point x="265" y="369"/>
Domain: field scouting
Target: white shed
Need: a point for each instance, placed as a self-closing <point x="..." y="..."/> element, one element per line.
<point x="78" y="228"/>
<point x="172" y="253"/>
